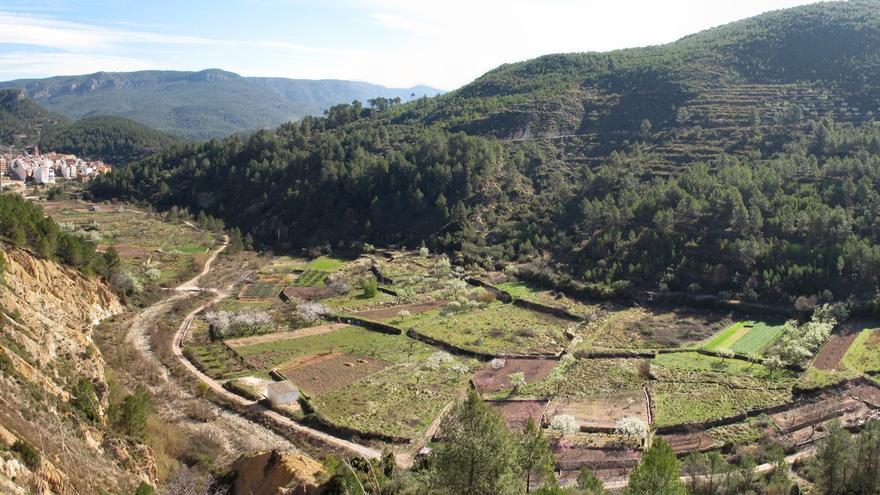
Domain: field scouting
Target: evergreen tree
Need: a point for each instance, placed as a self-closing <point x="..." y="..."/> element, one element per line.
<point x="535" y="458"/>
<point x="658" y="473"/>
<point x="478" y="454"/>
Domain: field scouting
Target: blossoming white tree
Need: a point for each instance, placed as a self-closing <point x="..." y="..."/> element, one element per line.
<point x="564" y="423"/>
<point x="633" y="429"/>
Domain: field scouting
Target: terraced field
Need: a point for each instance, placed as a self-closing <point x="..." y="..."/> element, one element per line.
<point x="399" y="398"/>
<point x="747" y="337"/>
<point x="153" y="250"/>
<point x="496" y="329"/>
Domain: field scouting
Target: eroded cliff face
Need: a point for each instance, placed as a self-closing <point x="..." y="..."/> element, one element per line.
<point x="46" y="316"/>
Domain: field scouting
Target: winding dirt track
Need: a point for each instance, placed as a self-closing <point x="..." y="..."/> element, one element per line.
<point x="192" y="286"/>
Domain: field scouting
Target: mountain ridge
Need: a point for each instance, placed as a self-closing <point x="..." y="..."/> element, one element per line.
<point x="202" y="104"/>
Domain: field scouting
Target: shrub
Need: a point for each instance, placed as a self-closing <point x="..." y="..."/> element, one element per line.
<point x="85" y="400"/>
<point x="2" y="264"/>
<point x="153" y="274"/>
<point x="6" y="364"/>
<point x="369" y="287"/>
<point x="517" y="380"/>
<point x="132" y="414"/>
<point x="145" y="488"/>
<point x="29" y="455"/>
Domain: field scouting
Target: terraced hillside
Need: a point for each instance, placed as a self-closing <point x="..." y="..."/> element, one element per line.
<point x="738" y="164"/>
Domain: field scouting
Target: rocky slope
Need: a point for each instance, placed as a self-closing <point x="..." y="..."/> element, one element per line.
<point x="47" y="445"/>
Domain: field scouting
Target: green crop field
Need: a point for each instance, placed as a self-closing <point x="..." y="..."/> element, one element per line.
<point x="261" y="290"/>
<point x="746" y="337"/>
<point x="326" y="264"/>
<point x="518" y="289"/>
<point x="864" y="353"/>
<point x="498" y="328"/>
<point x="312" y="278"/>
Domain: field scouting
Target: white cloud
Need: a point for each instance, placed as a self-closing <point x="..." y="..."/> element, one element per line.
<point x="19" y="64"/>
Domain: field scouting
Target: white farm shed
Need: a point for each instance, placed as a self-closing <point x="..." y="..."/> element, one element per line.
<point x="281" y="393"/>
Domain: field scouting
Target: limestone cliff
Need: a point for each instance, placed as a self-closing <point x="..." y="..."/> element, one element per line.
<point x="47" y="312"/>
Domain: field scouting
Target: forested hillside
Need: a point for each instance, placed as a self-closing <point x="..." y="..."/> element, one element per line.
<point x="112" y="139"/>
<point x="199" y="105"/>
<point x="740" y="162"/>
<point x="22" y="120"/>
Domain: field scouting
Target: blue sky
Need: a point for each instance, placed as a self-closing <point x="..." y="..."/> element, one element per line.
<point x="443" y="43"/>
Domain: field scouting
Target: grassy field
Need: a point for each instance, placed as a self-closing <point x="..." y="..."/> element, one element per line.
<point x="522" y="290"/>
<point x="353" y="340"/>
<point x="864" y="353"/>
<point x="590" y="378"/>
<point x="690" y="387"/>
<point x="746" y="337"/>
<point x="498" y="328"/>
<point x="643" y="328"/>
<point x="518" y="289"/>
<point x="326" y="264"/>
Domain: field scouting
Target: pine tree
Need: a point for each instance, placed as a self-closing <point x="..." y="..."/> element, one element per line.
<point x="535" y="458"/>
<point x="478" y="454"/>
<point x="658" y="473"/>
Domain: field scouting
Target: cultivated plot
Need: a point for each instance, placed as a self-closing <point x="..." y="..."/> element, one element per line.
<point x="496" y="329"/>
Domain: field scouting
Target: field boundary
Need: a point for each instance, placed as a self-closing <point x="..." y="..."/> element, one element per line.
<point x="485" y="356"/>
<point x="375" y="326"/>
<point x="501" y="295"/>
<point x="549" y="310"/>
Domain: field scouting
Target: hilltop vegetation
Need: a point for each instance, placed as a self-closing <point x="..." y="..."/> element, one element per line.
<point x="22" y="120"/>
<point x="740" y="162"/>
<point x="112" y="139"/>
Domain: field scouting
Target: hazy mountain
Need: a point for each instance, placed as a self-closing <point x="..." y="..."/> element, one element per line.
<point x="199" y="105"/>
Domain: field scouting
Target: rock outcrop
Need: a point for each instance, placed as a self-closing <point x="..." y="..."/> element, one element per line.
<point x="278" y="473"/>
<point x="47" y="313"/>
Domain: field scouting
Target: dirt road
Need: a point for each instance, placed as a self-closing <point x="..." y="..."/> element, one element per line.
<point x="191" y="287"/>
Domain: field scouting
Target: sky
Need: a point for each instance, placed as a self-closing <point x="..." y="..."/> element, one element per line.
<point x="397" y="43"/>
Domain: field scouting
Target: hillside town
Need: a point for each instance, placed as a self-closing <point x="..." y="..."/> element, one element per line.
<point x="33" y="166"/>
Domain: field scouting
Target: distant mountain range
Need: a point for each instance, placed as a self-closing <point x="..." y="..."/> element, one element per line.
<point x="200" y="105"/>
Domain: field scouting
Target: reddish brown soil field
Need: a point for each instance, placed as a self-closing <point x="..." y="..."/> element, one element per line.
<point x="128" y="251"/>
<point x="602" y="412"/>
<point x="391" y="312"/>
<point x="489" y="380"/>
<point x="574" y="458"/>
<point x="814" y="412"/>
<point x="833" y="350"/>
<point x="518" y="412"/>
<point x="308" y="293"/>
<point x="689" y="442"/>
<point x="323" y="373"/>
